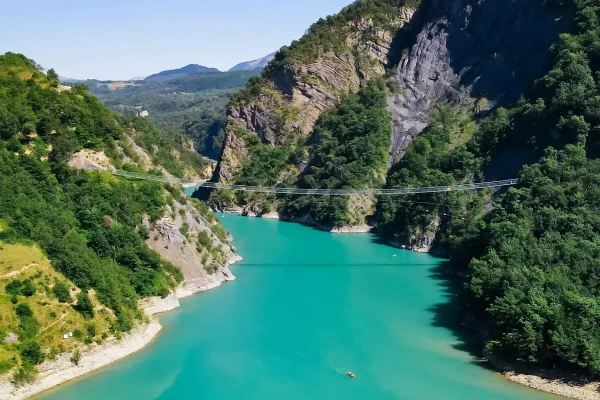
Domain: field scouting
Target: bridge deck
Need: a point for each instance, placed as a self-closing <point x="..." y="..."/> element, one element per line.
<point x="319" y="192"/>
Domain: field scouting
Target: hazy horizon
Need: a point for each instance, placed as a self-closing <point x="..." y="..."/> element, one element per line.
<point x="115" y="41"/>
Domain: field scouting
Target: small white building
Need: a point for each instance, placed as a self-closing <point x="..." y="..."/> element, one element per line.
<point x="142" y="113"/>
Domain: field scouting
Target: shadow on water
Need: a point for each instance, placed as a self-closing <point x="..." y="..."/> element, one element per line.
<point x="448" y="315"/>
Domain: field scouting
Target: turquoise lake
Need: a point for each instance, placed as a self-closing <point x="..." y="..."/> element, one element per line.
<point x="307" y="307"/>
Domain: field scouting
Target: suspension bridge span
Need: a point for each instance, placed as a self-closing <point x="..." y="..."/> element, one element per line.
<point x="316" y="192"/>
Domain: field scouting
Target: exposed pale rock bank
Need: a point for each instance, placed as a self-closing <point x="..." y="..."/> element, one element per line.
<point x="352" y="229"/>
<point x="62" y="369"/>
<point x="585" y="392"/>
<point x="168" y="240"/>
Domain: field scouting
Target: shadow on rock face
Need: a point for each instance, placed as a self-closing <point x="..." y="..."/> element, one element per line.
<point x="479" y="54"/>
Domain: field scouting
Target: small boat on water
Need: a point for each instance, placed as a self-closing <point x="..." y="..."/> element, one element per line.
<point x="351" y="374"/>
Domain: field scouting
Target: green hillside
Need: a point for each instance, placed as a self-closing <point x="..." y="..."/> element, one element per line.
<point x="28" y="282"/>
<point x="89" y="225"/>
<point x="188" y="106"/>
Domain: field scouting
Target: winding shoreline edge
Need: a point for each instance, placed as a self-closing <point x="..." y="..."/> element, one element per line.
<point x="555" y="386"/>
<point x="61" y="371"/>
<point x="589" y="391"/>
<point x="53" y="373"/>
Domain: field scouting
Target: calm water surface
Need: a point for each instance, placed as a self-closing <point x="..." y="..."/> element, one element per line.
<point x="307" y="307"/>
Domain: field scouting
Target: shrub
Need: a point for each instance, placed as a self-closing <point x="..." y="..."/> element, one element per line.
<point x="185" y="229"/>
<point x="76" y="357"/>
<point x="14" y="287"/>
<point x="28" y="288"/>
<point x="91" y="329"/>
<point x="5" y="366"/>
<point x="204" y="241"/>
<point x="24" y="375"/>
<point x="23" y="311"/>
<point x="61" y="291"/>
<point x="84" y="305"/>
<point x="31" y="352"/>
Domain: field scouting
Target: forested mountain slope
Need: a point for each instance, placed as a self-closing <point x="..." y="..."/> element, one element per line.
<point x="179" y="72"/>
<point x="189" y="105"/>
<point x="272" y="124"/>
<point x="436" y="94"/>
<point x="446" y="54"/>
<point x="96" y="230"/>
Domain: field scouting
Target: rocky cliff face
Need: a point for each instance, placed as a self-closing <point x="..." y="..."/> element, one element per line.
<point x="476" y="53"/>
<point x="291" y="100"/>
<point x="190" y="241"/>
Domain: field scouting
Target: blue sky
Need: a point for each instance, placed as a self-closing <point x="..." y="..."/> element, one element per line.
<point x="120" y="39"/>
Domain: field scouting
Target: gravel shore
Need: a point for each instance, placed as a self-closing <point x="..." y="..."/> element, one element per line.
<point x="588" y="391"/>
<point x="54" y="372"/>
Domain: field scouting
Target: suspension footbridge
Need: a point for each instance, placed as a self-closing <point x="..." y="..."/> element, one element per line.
<point x="316" y="192"/>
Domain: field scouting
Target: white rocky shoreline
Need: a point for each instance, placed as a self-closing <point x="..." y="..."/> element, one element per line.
<point x="53" y="373"/>
<point x="549" y="381"/>
<point x="304" y="220"/>
<point x="588" y="391"/>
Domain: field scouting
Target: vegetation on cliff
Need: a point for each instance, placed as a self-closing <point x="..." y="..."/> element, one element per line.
<point x="272" y="122"/>
<point x="536" y="281"/>
<point x="349" y="150"/>
<point x="330" y="34"/>
<point x="439" y="156"/>
<point x="89" y="225"/>
<point x="532" y="263"/>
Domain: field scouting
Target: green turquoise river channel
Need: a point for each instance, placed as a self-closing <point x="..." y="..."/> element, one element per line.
<point x="306" y="308"/>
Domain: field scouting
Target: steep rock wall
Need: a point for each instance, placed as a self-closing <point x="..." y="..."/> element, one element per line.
<point x="476" y="53"/>
<point x="187" y="239"/>
<point x="292" y="99"/>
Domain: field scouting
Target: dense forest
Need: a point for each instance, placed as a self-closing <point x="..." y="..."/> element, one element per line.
<point x="532" y="264"/>
<point x="190" y="105"/>
<point x="529" y="254"/>
<point x="88" y="224"/>
<point x="349" y="151"/>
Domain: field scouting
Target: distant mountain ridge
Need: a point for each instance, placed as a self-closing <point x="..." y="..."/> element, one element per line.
<point x="175" y="73"/>
<point x="254" y="64"/>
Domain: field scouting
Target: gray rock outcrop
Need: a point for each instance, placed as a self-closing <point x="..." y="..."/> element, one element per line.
<point x="475" y="53"/>
<point x="292" y="99"/>
<point x="181" y="237"/>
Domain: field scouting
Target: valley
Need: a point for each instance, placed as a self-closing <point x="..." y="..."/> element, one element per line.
<point x="384" y="95"/>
